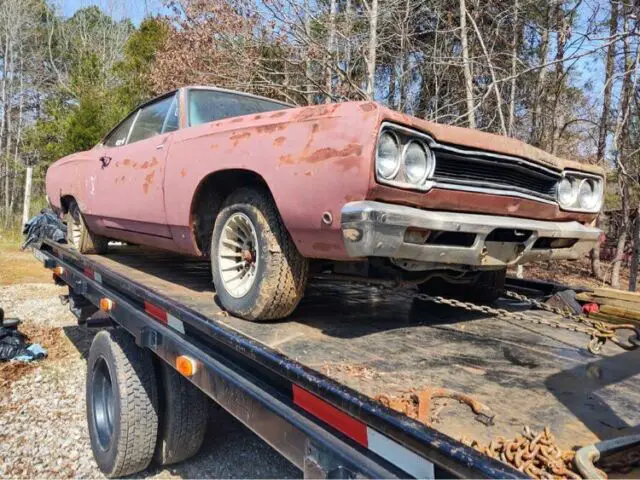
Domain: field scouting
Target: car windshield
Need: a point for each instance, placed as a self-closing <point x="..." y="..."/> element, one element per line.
<point x="211" y="105"/>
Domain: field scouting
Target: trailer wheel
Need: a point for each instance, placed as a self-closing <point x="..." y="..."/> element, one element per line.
<point x="183" y="421"/>
<point x="485" y="288"/>
<point x="257" y="270"/>
<point x="79" y="235"/>
<point x="122" y="404"/>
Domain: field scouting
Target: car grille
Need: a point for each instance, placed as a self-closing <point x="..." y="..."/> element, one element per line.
<point x="485" y="171"/>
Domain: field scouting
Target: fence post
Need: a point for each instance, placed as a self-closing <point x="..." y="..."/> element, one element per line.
<point x="27" y="195"/>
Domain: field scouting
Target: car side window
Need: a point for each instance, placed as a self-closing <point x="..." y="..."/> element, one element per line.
<point x="172" y="121"/>
<point x="151" y="119"/>
<point x="211" y="105"/>
<point x="119" y="135"/>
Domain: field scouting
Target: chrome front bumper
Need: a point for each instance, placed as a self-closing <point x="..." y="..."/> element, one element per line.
<point x="375" y="229"/>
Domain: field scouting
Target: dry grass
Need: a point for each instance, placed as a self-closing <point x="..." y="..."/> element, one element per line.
<point x="574" y="273"/>
<point x="20" y="267"/>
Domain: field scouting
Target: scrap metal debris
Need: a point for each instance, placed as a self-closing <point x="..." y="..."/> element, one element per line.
<point x="535" y="454"/>
<point x="417" y="405"/>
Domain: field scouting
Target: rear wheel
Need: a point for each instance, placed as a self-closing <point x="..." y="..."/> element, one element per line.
<point x="184" y="417"/>
<point x="485" y="287"/>
<point x="79" y="235"/>
<point x="257" y="270"/>
<point x="122" y="404"/>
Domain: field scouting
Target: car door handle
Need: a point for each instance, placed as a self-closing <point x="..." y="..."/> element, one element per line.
<point x="160" y="147"/>
<point x="105" y="161"/>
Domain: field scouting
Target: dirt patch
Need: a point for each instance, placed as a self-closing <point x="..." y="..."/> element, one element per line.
<point x="356" y="371"/>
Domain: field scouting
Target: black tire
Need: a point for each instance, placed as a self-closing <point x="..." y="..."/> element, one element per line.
<point x="84" y="240"/>
<point x="122" y="404"/>
<point x="183" y="421"/>
<point x="486" y="287"/>
<point x="281" y="272"/>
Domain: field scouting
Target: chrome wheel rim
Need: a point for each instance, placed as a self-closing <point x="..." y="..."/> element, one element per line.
<point x="76" y="232"/>
<point x="238" y="255"/>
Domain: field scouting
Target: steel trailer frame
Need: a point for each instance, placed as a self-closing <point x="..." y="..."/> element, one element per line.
<point x="324" y="428"/>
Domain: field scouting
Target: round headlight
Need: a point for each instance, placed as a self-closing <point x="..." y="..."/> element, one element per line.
<point x="387" y="158"/>
<point x="567" y="192"/>
<point x="588" y="194"/>
<point x="418" y="162"/>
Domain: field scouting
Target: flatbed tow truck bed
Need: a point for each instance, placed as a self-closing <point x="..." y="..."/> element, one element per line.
<point x="348" y="343"/>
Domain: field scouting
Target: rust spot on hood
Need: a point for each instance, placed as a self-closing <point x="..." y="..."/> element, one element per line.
<point x="278" y="141"/>
<point x="368" y="107"/>
<point x="237" y="120"/>
<point x="317" y="111"/>
<point x="278" y="114"/>
<point x="154" y="162"/>
<point x="183" y="173"/>
<point x="327" y="153"/>
<point x="214" y="146"/>
<point x="145" y="165"/>
<point x="126" y="162"/>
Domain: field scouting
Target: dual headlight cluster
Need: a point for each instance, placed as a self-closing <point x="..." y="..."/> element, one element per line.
<point x="407" y="163"/>
<point x="580" y="192"/>
<point x="404" y="159"/>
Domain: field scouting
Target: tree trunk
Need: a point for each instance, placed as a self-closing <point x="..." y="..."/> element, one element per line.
<point x="514" y="65"/>
<point x="466" y="67"/>
<point x="308" y="69"/>
<point x="635" y="256"/>
<point x="537" y="133"/>
<point x="603" y="127"/>
<point x="617" y="262"/>
<point x="330" y="49"/>
<point x="371" y="55"/>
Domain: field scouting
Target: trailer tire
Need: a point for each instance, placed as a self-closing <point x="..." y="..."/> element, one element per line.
<point x="485" y="288"/>
<point x="280" y="271"/>
<point x="183" y="421"/>
<point x="122" y="404"/>
<point x="78" y="234"/>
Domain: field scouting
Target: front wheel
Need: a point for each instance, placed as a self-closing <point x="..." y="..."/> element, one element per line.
<point x="257" y="270"/>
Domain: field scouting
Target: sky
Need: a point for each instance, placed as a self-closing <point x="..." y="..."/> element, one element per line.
<point x="136" y="10"/>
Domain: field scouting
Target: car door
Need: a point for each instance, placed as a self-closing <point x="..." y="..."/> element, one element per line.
<point x="131" y="174"/>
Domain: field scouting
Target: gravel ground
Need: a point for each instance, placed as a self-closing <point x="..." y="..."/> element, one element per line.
<point x="43" y="430"/>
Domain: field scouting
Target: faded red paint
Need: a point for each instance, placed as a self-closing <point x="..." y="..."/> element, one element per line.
<point x="313" y="159"/>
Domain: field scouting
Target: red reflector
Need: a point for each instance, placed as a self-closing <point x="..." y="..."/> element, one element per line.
<point x="89" y="273"/>
<point x="339" y="420"/>
<point x="155" y="312"/>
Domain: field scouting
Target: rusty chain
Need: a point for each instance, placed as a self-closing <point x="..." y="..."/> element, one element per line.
<point x="599" y="331"/>
<point x="535" y="454"/>
<point x="606" y="331"/>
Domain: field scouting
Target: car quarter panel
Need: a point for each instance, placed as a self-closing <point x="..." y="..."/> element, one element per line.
<point x="314" y="160"/>
<point x="74" y="176"/>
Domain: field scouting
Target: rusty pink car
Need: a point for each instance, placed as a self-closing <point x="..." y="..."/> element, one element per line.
<point x="273" y="193"/>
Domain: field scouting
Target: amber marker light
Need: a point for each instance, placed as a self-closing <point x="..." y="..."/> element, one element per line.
<point x="187" y="366"/>
<point x="106" y="304"/>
